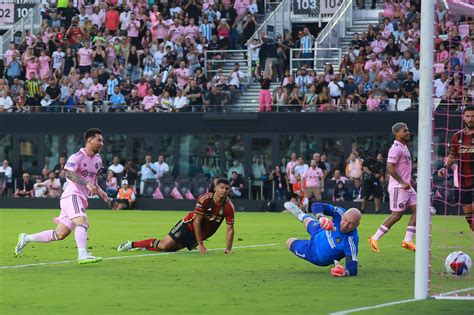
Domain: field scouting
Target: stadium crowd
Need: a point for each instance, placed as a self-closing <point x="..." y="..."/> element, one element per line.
<point x="380" y="67"/>
<point x="134" y="56"/>
<point x="305" y="181"/>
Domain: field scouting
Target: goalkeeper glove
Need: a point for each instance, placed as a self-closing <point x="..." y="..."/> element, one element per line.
<point x="326" y="223"/>
<point x="338" y="270"/>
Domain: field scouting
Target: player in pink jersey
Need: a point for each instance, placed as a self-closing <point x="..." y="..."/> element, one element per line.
<point x="400" y="188"/>
<point x="81" y="169"/>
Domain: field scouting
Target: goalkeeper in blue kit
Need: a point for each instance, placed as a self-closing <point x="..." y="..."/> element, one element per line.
<point x="331" y="240"/>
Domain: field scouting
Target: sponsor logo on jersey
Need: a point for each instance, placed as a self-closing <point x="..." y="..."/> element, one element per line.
<point x="85" y="173"/>
<point x="300" y="255"/>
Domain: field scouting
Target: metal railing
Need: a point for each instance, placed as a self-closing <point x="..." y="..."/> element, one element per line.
<point x="31" y="22"/>
<point x="334" y="31"/>
<point x="212" y="66"/>
<point x="322" y="55"/>
<point x="277" y="22"/>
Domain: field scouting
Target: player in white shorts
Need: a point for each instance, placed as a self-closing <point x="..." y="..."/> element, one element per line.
<point x="81" y="169"/>
<point x="400" y="187"/>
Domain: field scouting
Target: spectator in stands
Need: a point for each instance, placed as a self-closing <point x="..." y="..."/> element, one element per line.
<point x="353" y="167"/>
<point x="60" y="166"/>
<point x="338" y="177"/>
<point x="161" y="166"/>
<point x="147" y="171"/>
<point x="6" y="102"/>
<point x="195" y="95"/>
<point x="259" y="175"/>
<point x="341" y="193"/>
<point x="300" y="167"/>
<point x="117" y="101"/>
<point x="357" y="193"/>
<point x="53" y="186"/>
<point x="39" y="189"/>
<point x="24" y="187"/>
<point x="410" y="88"/>
<point x="236" y="167"/>
<point x="116" y="167"/>
<point x="125" y="197"/>
<point x="130" y="173"/>
<point x="313" y="181"/>
<point x="372" y="172"/>
<point x="236" y="185"/>
<point x="111" y="184"/>
<point x="279" y="183"/>
<point x="7" y="171"/>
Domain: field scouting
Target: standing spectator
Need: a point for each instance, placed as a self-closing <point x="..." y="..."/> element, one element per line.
<point x="147" y="171"/>
<point x="84" y="56"/>
<point x="280" y="183"/>
<point x="117" y="101"/>
<point x="336" y="88"/>
<point x="53" y="186"/>
<point x="6" y="102"/>
<point x="307" y="44"/>
<point x="236" y="185"/>
<point x="111" y="184"/>
<point x="300" y="167"/>
<point x="112" y="19"/>
<point x="265" y="97"/>
<point x="161" y="166"/>
<point x="194" y="93"/>
<point x="353" y="167"/>
<point x="371" y="182"/>
<point x="357" y="194"/>
<point x="7" y="170"/>
<point x="39" y="188"/>
<point x="319" y="163"/>
<point x="25" y="187"/>
<point x="236" y="167"/>
<point x="130" y="173"/>
<point x="313" y="181"/>
<point x="290" y="172"/>
<point x="258" y="176"/>
<point x="60" y="166"/>
<point x="116" y="167"/>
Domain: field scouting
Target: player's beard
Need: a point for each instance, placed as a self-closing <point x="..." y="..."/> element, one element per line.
<point x="470" y="125"/>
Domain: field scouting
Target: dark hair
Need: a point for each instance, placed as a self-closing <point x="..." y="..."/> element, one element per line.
<point x="90" y="133"/>
<point x="223" y="181"/>
<point x="468" y="109"/>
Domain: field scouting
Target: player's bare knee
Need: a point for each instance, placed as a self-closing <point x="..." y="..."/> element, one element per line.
<point x="62" y="233"/>
<point x="289" y="242"/>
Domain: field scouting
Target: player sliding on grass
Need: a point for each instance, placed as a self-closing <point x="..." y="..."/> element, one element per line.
<point x="81" y="169"/>
<point x="400" y="188"/>
<point x="198" y="225"/>
<point x="330" y="240"/>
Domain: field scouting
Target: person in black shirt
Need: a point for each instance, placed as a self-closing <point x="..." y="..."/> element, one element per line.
<point x="372" y="172"/>
<point x="236" y="185"/>
<point x="409" y="88"/>
<point x="193" y="10"/>
<point x="215" y="101"/>
<point x="280" y="183"/>
<point x="130" y="173"/>
<point x="158" y="86"/>
<point x="194" y="94"/>
<point x="170" y="87"/>
<point x="320" y="164"/>
<point x="24" y="187"/>
<point x="54" y="93"/>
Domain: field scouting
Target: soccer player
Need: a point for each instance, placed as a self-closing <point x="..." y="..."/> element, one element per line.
<point x="330" y="240"/>
<point x="198" y="225"/>
<point x="462" y="149"/>
<point x="81" y="169"/>
<point x="400" y="188"/>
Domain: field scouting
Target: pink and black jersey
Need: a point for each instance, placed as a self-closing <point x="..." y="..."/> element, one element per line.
<point x="400" y="156"/>
<point x="85" y="166"/>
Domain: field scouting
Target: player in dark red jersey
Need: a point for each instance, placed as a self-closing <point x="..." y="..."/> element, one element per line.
<point x="462" y="151"/>
<point x="198" y="225"/>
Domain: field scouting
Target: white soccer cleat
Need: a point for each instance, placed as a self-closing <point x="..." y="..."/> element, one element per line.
<point x="21" y="244"/>
<point x="292" y="208"/>
<point x="125" y="246"/>
<point x="88" y="259"/>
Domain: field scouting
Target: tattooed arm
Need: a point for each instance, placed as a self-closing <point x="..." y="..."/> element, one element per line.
<point x="73" y="177"/>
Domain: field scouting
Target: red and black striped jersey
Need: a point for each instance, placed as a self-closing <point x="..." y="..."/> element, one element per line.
<point x="462" y="146"/>
<point x="213" y="214"/>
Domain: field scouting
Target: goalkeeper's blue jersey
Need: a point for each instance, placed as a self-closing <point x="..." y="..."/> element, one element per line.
<point x="327" y="246"/>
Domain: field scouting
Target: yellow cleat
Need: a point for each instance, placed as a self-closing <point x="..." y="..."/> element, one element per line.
<point x="409" y="245"/>
<point x="374" y="245"/>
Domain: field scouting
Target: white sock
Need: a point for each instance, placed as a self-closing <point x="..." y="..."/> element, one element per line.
<point x="301" y="216"/>
<point x="82" y="252"/>
<point x="28" y="238"/>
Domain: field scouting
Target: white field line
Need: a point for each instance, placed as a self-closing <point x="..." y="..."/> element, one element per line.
<point x="445" y="295"/>
<point x="372" y="307"/>
<point x="128" y="257"/>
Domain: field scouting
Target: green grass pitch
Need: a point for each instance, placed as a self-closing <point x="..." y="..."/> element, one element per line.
<point x="253" y="280"/>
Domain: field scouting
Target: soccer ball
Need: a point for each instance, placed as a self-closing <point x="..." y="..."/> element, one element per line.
<point x="458" y="264"/>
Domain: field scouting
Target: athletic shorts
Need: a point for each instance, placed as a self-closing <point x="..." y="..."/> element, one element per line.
<point x="301" y="248"/>
<point x="372" y="189"/>
<point x="181" y="234"/>
<point x="72" y="207"/>
<point x="465" y="195"/>
<point x="401" y="199"/>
